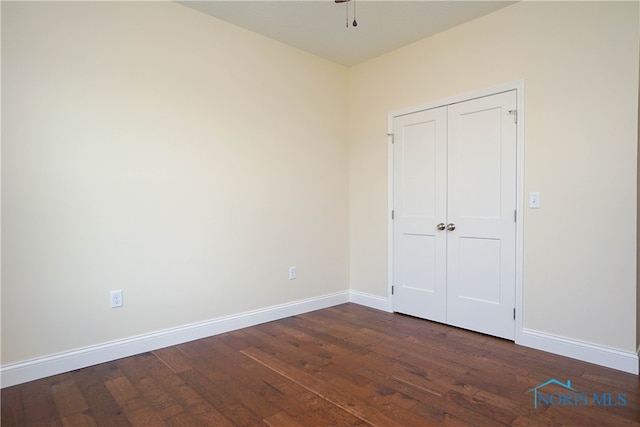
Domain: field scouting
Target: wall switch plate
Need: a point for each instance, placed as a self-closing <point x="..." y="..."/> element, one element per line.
<point x="534" y="200"/>
<point x="292" y="273"/>
<point x="116" y="298"/>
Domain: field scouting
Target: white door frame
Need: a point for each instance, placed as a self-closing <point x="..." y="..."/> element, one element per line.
<point x="518" y="86"/>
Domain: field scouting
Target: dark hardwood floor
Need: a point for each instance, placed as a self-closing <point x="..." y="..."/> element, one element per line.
<point x="343" y="366"/>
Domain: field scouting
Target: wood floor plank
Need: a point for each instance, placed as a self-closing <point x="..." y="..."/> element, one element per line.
<point x="14" y="414"/>
<point x="39" y="405"/>
<point x="282" y="419"/>
<point x="69" y="400"/>
<point x="158" y="399"/>
<point x="103" y="408"/>
<point x="173" y="358"/>
<point x="310" y="409"/>
<point x="346" y="365"/>
<point x="327" y="391"/>
<point x="233" y="412"/>
<point x="198" y="415"/>
<point x="122" y="390"/>
<point x="182" y="393"/>
<point x="140" y="413"/>
<point x="245" y="381"/>
<point x="78" y="419"/>
<point x="436" y="406"/>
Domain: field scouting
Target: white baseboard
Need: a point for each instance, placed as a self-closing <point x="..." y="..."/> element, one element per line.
<point x="599" y="355"/>
<point x="369" y="300"/>
<point x="21" y="372"/>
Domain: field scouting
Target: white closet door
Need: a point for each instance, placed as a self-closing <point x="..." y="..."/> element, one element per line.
<point x="419" y="191"/>
<point x="454" y="196"/>
<point x="481" y="206"/>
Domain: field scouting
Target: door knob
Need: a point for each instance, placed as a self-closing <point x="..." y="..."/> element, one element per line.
<point x="440" y="226"/>
<point x="451" y="226"/>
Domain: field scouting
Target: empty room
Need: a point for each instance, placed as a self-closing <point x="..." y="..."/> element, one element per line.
<point x="320" y="213"/>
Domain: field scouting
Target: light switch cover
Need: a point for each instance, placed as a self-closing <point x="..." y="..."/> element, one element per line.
<point x="534" y="200"/>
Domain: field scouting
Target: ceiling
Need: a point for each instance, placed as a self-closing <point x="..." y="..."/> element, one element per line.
<point x="319" y="26"/>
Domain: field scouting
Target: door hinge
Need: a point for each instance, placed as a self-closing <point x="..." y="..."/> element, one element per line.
<point x="392" y="289"/>
<point x="393" y="214"/>
<point x="515" y="216"/>
<point x="393" y="139"/>
<point x="515" y="115"/>
<point x="514" y="314"/>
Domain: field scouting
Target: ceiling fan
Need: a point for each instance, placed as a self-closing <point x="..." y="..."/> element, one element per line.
<point x="354" y="23"/>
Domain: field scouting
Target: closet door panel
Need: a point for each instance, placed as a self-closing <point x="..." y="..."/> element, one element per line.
<point x="419" y="188"/>
<point x="481" y="203"/>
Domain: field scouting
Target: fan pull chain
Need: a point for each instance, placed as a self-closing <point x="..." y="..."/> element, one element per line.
<point x="346" y="8"/>
<point x="355" y="23"/>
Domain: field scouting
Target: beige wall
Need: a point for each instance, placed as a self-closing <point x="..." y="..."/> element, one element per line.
<point x="151" y="148"/>
<point x="579" y="62"/>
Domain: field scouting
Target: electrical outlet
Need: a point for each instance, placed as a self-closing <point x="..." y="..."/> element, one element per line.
<point x="292" y="273"/>
<point x="116" y="298"/>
